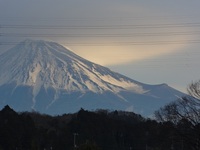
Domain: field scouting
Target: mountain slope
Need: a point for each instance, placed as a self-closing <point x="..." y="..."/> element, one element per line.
<point x="46" y="77"/>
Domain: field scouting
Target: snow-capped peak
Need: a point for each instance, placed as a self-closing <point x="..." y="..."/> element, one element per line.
<point x="48" y="78"/>
<point x="39" y="63"/>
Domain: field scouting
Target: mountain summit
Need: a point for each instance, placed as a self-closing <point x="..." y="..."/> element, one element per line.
<point x="48" y="64"/>
<point x="46" y="77"/>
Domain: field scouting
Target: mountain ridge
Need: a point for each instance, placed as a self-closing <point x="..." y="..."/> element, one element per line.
<point x="51" y="74"/>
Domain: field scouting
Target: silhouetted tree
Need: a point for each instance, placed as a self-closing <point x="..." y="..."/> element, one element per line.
<point x="185" y="111"/>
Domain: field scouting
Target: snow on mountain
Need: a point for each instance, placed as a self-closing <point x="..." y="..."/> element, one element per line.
<point x="54" y="80"/>
<point x="37" y="63"/>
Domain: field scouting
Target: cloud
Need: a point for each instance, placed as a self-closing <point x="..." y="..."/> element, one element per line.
<point x="116" y="55"/>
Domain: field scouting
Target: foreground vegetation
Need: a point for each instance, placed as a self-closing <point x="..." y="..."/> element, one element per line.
<point x="99" y="130"/>
<point x="177" y="127"/>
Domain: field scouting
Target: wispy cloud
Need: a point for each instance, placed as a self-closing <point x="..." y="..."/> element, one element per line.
<point x="115" y="55"/>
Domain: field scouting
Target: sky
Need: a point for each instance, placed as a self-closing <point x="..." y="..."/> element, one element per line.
<point x="150" y="41"/>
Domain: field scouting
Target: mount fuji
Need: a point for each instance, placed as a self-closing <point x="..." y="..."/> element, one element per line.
<point x="46" y="77"/>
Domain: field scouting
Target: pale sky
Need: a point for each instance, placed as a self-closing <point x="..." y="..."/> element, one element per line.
<point x="150" y="41"/>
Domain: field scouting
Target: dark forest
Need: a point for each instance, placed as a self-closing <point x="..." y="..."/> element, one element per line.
<point x="94" y="130"/>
